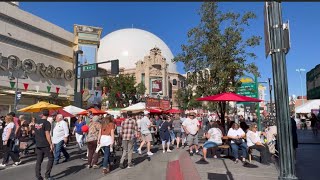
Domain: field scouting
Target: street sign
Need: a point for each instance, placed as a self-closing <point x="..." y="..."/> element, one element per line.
<point x="89" y="71"/>
<point x="90" y="67"/>
<point x="18" y="96"/>
<point x="248" y="89"/>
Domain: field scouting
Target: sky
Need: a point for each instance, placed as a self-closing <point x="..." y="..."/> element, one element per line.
<point x="171" y="21"/>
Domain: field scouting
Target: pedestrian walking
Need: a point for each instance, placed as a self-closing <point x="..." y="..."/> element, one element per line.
<point x="44" y="145"/>
<point x="176" y="124"/>
<point x="314" y="122"/>
<point x="78" y="132"/>
<point x="129" y="130"/>
<point x="165" y="134"/>
<point x="92" y="141"/>
<point x="8" y="142"/>
<point x="106" y="140"/>
<point x="191" y="127"/>
<point x="60" y="139"/>
<point x="146" y="136"/>
<point x="172" y="136"/>
<point x="158" y="121"/>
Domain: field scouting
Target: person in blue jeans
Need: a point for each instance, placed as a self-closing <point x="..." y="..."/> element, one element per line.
<point x="106" y="140"/>
<point x="214" y="136"/>
<point x="60" y="138"/>
<point x="237" y="136"/>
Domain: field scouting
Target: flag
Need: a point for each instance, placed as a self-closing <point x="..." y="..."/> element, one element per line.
<point x="12" y="83"/>
<point x="48" y="88"/>
<point x="25" y="85"/>
<point x="57" y="90"/>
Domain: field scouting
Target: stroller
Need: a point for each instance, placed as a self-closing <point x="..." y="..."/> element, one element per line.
<point x="27" y="145"/>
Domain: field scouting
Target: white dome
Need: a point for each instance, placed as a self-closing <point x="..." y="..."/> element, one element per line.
<point x="131" y="45"/>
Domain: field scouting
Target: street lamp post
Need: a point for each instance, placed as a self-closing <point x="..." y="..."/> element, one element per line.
<point x="299" y="71"/>
<point x="11" y="77"/>
<point x="270" y="93"/>
<point x="278" y="51"/>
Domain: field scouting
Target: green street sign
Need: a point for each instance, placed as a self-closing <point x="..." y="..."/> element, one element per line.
<point x="89" y="71"/>
<point x="90" y="67"/>
<point x="248" y="89"/>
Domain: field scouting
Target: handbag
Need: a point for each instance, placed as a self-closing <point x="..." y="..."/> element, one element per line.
<point x="238" y="141"/>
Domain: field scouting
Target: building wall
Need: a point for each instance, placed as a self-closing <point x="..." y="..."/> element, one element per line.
<point x="27" y="36"/>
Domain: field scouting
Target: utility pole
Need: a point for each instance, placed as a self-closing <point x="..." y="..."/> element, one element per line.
<point x="276" y="47"/>
<point x="270" y="94"/>
<point x="76" y="72"/>
<point x="299" y="71"/>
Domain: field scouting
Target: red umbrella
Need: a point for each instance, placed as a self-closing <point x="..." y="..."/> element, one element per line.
<point x="61" y="111"/>
<point x="229" y="97"/>
<point x="93" y="110"/>
<point x="155" y="110"/>
<point x="173" y="111"/>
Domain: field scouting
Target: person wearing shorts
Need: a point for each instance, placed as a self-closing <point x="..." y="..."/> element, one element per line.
<point x="146" y="137"/>
<point x="191" y="128"/>
<point x="214" y="136"/>
<point x="176" y="124"/>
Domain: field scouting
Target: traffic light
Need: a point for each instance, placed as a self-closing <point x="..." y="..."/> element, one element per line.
<point x="115" y="67"/>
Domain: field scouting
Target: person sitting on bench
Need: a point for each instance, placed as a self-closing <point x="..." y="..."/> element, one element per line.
<point x="214" y="136"/>
<point x="236" y="134"/>
<point x="254" y="142"/>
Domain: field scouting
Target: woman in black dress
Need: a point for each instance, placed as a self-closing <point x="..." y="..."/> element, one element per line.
<point x="165" y="134"/>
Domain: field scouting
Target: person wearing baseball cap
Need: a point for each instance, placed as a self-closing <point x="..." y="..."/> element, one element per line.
<point x="191" y="127"/>
<point x="145" y="126"/>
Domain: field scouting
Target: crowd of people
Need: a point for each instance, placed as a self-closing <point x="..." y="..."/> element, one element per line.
<point x="103" y="133"/>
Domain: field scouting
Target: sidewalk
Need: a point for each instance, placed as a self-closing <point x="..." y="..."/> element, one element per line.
<point x="308" y="156"/>
<point x="225" y="169"/>
<point x="152" y="168"/>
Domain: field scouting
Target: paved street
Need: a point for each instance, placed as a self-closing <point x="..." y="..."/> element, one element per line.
<point x="308" y="156"/>
<point x="155" y="167"/>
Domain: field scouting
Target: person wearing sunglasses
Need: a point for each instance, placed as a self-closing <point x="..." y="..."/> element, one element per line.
<point x="254" y="142"/>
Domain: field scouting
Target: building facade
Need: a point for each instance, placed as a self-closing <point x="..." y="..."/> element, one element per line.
<point x="36" y="59"/>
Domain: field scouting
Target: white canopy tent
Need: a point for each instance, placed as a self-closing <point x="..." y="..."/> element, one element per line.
<point x="306" y="108"/>
<point x="139" y="107"/>
<point x="73" y="109"/>
<point x="114" y="113"/>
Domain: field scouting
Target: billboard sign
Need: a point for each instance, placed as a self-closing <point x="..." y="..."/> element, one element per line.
<point x="156" y="85"/>
<point x="153" y="103"/>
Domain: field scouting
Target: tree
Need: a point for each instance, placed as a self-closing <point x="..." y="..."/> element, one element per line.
<point x="141" y="89"/>
<point x="119" y="89"/>
<point x="218" y="44"/>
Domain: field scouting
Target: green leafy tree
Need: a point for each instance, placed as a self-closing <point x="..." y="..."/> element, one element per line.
<point x="218" y="44"/>
<point x="141" y="88"/>
<point x="120" y="89"/>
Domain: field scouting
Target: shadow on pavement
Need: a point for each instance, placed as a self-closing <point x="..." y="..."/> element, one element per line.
<point x="214" y="176"/>
<point x="229" y="174"/>
<point x="69" y="170"/>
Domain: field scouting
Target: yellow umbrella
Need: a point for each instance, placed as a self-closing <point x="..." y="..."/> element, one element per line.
<point x="39" y="106"/>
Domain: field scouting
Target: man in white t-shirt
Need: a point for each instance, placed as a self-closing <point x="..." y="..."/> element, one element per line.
<point x="191" y="128"/>
<point x="146" y="136"/>
<point x="214" y="136"/>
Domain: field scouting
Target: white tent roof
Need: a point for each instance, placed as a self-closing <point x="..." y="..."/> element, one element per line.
<point x="73" y="109"/>
<point x="141" y="106"/>
<point x="306" y="108"/>
<point x="114" y="113"/>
